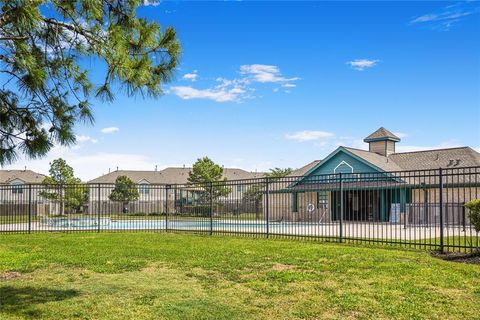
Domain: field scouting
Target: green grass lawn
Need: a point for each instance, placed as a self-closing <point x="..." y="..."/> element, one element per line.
<point x="178" y="276"/>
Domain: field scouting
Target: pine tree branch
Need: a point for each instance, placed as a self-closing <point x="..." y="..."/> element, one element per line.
<point x="74" y="28"/>
<point x="6" y="38"/>
<point x="6" y="17"/>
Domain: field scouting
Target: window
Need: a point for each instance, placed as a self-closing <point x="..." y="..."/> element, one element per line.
<point x="322" y="197"/>
<point x="17" y="187"/>
<point x="240" y="188"/>
<point x="144" y="188"/>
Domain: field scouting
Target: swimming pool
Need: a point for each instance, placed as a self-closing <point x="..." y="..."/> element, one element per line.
<point x="59" y="223"/>
<point x="395" y="231"/>
<point x="67" y="222"/>
<point x="181" y="224"/>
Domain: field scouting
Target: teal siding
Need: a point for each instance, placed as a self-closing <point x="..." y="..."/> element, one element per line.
<point x="342" y="161"/>
<point x="329" y="166"/>
<point x="294" y="202"/>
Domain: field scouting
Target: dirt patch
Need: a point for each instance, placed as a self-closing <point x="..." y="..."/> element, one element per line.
<point x="282" y="267"/>
<point x="473" y="258"/>
<point x="9" y="275"/>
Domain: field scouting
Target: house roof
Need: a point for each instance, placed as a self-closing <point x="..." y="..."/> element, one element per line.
<point x="416" y="160"/>
<point x="421" y="160"/>
<point x="437" y="158"/>
<point x="381" y="134"/>
<point x="382" y="162"/>
<point x="303" y="170"/>
<point x="171" y="175"/>
<point x="27" y="176"/>
<point x="406" y="161"/>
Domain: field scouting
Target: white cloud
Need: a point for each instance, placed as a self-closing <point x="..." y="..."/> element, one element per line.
<point x="237" y="90"/>
<point x="351" y="142"/>
<point x="307" y="135"/>
<point x="152" y="3"/>
<point x="362" y="64"/>
<point x="109" y="130"/>
<point x="216" y="94"/>
<point x="446" y="17"/>
<point x="425" y="18"/>
<point x="264" y="73"/>
<point x="82" y="139"/>
<point x="401" y="135"/>
<point x="191" y="76"/>
<point x="443" y="145"/>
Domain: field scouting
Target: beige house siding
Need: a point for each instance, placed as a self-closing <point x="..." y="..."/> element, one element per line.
<point x="377" y="147"/>
<point x="384" y="148"/>
<point x="425" y="205"/>
<point x="308" y="209"/>
<point x="390" y="147"/>
<point x="450" y="195"/>
<point x="22" y="209"/>
<point x="279" y="207"/>
<point x="151" y="202"/>
<point x="10" y="193"/>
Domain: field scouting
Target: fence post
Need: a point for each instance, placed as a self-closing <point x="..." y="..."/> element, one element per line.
<point x="166" y="207"/>
<point x="211" y="208"/>
<point x="29" y="208"/>
<point x="441" y="210"/>
<point x="98" y="209"/>
<point x="341" y="208"/>
<point x="267" y="209"/>
<point x="174" y="199"/>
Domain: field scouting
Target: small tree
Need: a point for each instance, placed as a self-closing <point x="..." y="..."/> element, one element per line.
<point x="208" y="176"/>
<point x="254" y="194"/>
<point x="474" y="215"/>
<point x="125" y="191"/>
<point x="63" y="187"/>
<point x="279" y="172"/>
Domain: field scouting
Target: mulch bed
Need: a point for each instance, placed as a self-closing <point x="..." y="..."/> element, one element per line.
<point x="473" y="258"/>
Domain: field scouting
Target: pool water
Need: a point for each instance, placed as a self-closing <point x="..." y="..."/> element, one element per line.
<point x="162" y="224"/>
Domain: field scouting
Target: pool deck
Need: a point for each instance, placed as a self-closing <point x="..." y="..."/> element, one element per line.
<point x="357" y="230"/>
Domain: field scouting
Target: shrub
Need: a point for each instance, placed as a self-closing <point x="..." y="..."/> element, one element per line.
<point x="196" y="210"/>
<point x="473" y="207"/>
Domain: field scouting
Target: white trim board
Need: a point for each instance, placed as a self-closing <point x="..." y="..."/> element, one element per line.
<point x="340" y="164"/>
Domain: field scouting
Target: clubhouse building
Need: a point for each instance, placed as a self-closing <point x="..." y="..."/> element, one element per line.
<point x="379" y="185"/>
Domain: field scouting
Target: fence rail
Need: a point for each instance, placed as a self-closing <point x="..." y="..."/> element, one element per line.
<point x="417" y="209"/>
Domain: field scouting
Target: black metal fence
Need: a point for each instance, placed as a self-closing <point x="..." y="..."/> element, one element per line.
<point x="418" y="209"/>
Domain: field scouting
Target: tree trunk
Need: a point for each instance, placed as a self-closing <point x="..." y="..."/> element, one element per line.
<point x="477" y="248"/>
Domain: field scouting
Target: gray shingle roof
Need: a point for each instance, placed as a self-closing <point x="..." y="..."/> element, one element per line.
<point x="377" y="160"/>
<point x="27" y="176"/>
<point x="301" y="171"/>
<point x="381" y="134"/>
<point x="434" y="159"/>
<point x="171" y="175"/>
<point x="418" y="160"/>
<point x="422" y="160"/>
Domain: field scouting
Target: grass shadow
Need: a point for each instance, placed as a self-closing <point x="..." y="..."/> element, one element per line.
<point x="24" y="300"/>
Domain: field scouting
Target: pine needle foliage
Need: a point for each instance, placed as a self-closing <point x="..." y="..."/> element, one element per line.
<point x="45" y="90"/>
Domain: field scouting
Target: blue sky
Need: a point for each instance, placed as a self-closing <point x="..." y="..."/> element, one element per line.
<point x="279" y="84"/>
